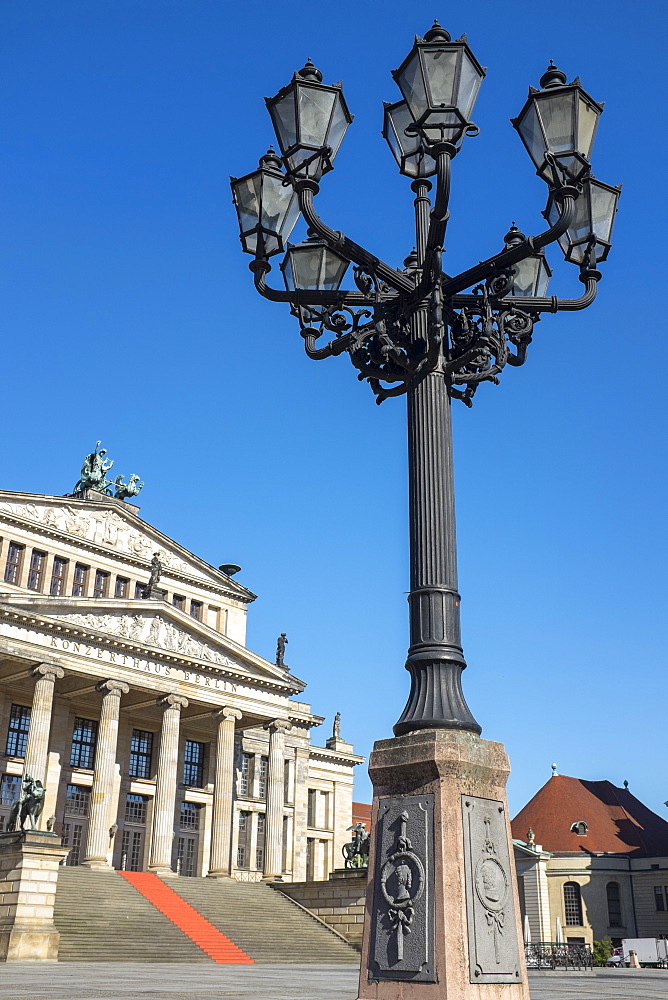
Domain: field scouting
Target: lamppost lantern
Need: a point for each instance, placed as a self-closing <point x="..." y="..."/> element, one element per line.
<point x="310" y="120"/>
<point x="587" y="240"/>
<point x="440" y="80"/>
<point x="267" y="209"/>
<point x="313" y="266"/>
<point x="557" y="125"/>
<point x="530" y="276"/>
<point x="408" y="147"/>
<point x="433" y="337"/>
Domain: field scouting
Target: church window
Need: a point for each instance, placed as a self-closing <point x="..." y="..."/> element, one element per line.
<point x="77" y="798"/>
<point x="572" y="904"/>
<point x="141" y="750"/>
<point x="196" y="610"/>
<point x="122" y="588"/>
<point x="190" y="815"/>
<point x="10" y="789"/>
<point x="193" y="764"/>
<point x="36" y="571"/>
<point x="263" y="771"/>
<point x="135" y="808"/>
<point x="614" y="904"/>
<point x="13" y="564"/>
<point x="57" y="588"/>
<point x="179" y="601"/>
<point x="80" y="584"/>
<point x="84" y="739"/>
<point x="101" y="587"/>
<point x="17" y="734"/>
<point x="659" y="901"/>
<point x="245" y="775"/>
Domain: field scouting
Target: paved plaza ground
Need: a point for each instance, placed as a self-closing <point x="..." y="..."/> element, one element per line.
<point x="117" y="981"/>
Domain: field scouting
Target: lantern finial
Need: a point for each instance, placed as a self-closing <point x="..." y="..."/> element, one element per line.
<point x="271" y="159"/>
<point x="309" y="72"/>
<point x="513" y="237"/>
<point x="437" y="33"/>
<point x="552" y="77"/>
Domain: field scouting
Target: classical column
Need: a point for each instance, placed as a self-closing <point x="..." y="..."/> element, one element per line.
<point x="101" y="797"/>
<point x="221" y="826"/>
<point x="37" y="746"/>
<point x="273" y="841"/>
<point x="162" y="833"/>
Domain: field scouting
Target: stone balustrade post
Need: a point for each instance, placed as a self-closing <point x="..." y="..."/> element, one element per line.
<point x="273" y="843"/>
<point x="101" y="798"/>
<point x="221" y="827"/>
<point x="162" y="833"/>
<point x="37" y="745"/>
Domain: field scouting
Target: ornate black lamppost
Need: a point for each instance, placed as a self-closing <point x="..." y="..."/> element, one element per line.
<point x="434" y="337"/>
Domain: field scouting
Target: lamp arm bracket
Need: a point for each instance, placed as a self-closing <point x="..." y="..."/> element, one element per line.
<point x="312" y="297"/>
<point x="514" y="254"/>
<point x="330" y="350"/>
<point x="306" y="189"/>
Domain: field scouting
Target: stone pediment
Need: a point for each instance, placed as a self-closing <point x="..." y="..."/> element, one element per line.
<point x="113" y="525"/>
<point x="159" y="629"/>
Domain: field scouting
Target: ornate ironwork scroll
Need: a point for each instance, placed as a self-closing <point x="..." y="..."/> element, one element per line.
<point x="402" y="935"/>
<point x="494" y="955"/>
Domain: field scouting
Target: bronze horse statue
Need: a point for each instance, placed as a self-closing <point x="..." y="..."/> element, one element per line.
<point x="28" y="806"/>
<point x="356" y="853"/>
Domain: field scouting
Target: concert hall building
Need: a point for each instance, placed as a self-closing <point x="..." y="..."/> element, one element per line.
<point x="164" y="743"/>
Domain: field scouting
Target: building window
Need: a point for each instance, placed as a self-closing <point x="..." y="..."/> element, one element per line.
<point x="57" y="588"/>
<point x="17" y="734"/>
<point x="139" y="591"/>
<point x="131" y="850"/>
<point x="196" y="610"/>
<point x="244" y="834"/>
<point x="141" y="749"/>
<point x="80" y="583"/>
<point x="259" y="847"/>
<point x="13" y="564"/>
<point x="580" y="828"/>
<point x="572" y="904"/>
<point x="245" y="775"/>
<point x="312" y="806"/>
<point x="659" y="901"/>
<point x="193" y="765"/>
<point x="179" y="602"/>
<point x="36" y="571"/>
<point x="101" y="588"/>
<point x="614" y="904"/>
<point x="72" y="836"/>
<point x="190" y="815"/>
<point x="135" y="810"/>
<point x="262" y="778"/>
<point x="10" y="789"/>
<point x="77" y="798"/>
<point x="84" y="739"/>
<point x="122" y="588"/>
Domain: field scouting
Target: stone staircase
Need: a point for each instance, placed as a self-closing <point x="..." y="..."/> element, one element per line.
<point x="102" y="917"/>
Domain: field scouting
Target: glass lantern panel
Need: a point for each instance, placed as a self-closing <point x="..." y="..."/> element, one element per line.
<point x="334" y="268"/>
<point x="587" y="122"/>
<point x="542" y="280"/>
<point x="532" y="134"/>
<point x="469" y="85"/>
<point x="524" y="280"/>
<point x="603" y="202"/>
<point x="557" y="111"/>
<point x="338" y="126"/>
<point x="247" y="199"/>
<point x="315" y="111"/>
<point x="580" y="227"/>
<point x="307" y="265"/>
<point x="290" y="217"/>
<point x="411" y="85"/>
<point x="440" y="67"/>
<point x="275" y="202"/>
<point x="285" y="122"/>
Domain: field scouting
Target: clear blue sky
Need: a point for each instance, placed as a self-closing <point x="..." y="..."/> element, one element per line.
<point x="128" y="314"/>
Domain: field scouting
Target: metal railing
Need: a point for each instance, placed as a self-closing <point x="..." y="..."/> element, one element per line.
<point x="556" y="956"/>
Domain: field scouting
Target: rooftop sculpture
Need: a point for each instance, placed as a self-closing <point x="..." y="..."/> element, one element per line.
<point x="94" y="477"/>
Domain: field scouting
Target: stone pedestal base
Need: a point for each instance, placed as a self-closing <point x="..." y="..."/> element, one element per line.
<point x="28" y="876"/>
<point x="98" y="864"/>
<point x="442" y="914"/>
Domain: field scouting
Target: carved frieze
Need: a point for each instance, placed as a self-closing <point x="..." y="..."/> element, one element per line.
<point x="492" y="926"/>
<point x="402" y="933"/>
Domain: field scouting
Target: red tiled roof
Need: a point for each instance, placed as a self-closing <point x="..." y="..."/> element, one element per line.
<point x="618" y="823"/>
<point x="362" y="813"/>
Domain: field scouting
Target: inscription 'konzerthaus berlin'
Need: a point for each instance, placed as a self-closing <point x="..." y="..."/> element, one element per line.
<point x="126" y="687"/>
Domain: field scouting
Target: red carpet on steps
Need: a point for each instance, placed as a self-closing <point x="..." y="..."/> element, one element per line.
<point x="187" y="919"/>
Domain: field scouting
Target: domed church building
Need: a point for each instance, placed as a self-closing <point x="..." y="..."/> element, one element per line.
<point x="126" y="688"/>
